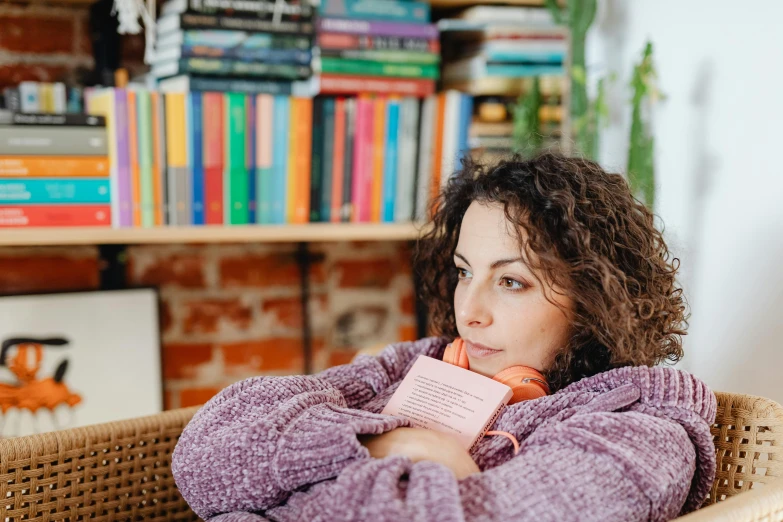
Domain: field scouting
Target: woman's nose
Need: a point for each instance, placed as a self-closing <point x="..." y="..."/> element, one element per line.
<point x="474" y="310"/>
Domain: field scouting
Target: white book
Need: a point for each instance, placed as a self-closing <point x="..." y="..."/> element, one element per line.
<point x="406" y="173"/>
<point x="60" y="98"/>
<point x="451" y="124"/>
<point x="30" y="97"/>
<point x="424" y="175"/>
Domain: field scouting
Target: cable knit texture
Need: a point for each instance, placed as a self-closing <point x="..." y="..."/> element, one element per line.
<point x="629" y="444"/>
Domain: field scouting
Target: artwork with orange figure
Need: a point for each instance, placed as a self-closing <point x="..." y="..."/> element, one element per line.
<point x="32" y="392"/>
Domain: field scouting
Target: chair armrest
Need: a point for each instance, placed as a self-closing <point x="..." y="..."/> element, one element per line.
<point x="764" y="504"/>
<point x="117" y="470"/>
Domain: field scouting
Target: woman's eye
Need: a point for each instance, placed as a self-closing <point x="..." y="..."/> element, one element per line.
<point x="462" y="273"/>
<point x="511" y="284"/>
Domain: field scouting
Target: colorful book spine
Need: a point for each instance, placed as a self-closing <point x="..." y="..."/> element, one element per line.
<point x="425" y="164"/>
<point x="262" y="9"/>
<point x="158" y="158"/>
<point x="55" y="216"/>
<point x="145" y="151"/>
<point x="407" y="160"/>
<point x="393" y="10"/>
<point x="177" y="159"/>
<point x="223" y="67"/>
<point x="327" y="158"/>
<point x="378" y="148"/>
<point x="47" y="191"/>
<point x="390" y="161"/>
<point x="196" y="157"/>
<point x="53" y="120"/>
<point x="250" y="158"/>
<point x="233" y="23"/>
<point x="332" y="41"/>
<point x="217" y="84"/>
<point x="236" y="179"/>
<point x="381" y="28"/>
<point x="282" y="111"/>
<point x="330" y="65"/>
<point x="338" y="161"/>
<point x="133" y="153"/>
<point x="54" y="166"/>
<point x="451" y="122"/>
<point x="466" y="117"/>
<point x="45" y="140"/>
<point x="265" y="107"/>
<point x="351" y="112"/>
<point x="292" y="179"/>
<point x="317" y="154"/>
<point x="213" y="158"/>
<point x="342" y="84"/>
<point x="223" y="40"/>
<point x="437" y="146"/>
<point x="304" y="160"/>
<point x="362" y="141"/>
<point x="379" y="56"/>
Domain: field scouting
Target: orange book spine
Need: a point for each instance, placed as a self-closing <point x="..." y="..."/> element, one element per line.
<point x="133" y="152"/>
<point x="157" y="181"/>
<point x="54" y="167"/>
<point x="437" y="148"/>
<point x="304" y="160"/>
<point x="338" y="162"/>
<point x="378" y="150"/>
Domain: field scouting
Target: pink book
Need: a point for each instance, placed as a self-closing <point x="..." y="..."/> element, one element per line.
<point x="443" y="397"/>
<point x="362" y="159"/>
<point x="264" y="139"/>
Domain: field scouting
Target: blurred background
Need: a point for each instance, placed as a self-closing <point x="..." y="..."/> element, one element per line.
<point x="242" y="181"/>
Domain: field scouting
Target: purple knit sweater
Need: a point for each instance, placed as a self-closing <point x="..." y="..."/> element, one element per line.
<point x="629" y="444"/>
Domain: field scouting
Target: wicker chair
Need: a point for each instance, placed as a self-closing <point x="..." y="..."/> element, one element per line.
<point x="121" y="470"/>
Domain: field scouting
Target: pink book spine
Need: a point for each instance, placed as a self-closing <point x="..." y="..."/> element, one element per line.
<point x="362" y="184"/>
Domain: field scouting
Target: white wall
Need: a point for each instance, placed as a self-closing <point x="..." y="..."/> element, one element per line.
<point x="719" y="137"/>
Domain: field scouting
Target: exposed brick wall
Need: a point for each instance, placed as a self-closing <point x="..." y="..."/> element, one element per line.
<point x="46" y="43"/>
<point x="229" y="312"/>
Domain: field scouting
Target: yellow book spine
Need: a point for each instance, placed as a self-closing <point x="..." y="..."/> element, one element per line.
<point x="176" y="144"/>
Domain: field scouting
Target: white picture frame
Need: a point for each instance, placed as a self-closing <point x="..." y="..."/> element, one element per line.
<point x="73" y="359"/>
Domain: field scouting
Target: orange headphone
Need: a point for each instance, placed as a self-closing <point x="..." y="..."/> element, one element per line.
<point x="526" y="383"/>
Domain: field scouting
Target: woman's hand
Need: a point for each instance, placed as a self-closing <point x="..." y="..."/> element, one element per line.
<point x="420" y="444"/>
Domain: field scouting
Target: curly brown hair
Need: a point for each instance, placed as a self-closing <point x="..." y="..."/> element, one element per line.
<point x="590" y="238"/>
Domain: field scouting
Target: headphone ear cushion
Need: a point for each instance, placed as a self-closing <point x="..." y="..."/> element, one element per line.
<point x="525" y="383"/>
<point x="455" y="354"/>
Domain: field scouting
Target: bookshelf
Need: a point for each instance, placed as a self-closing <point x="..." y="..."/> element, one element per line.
<point x="313" y="232"/>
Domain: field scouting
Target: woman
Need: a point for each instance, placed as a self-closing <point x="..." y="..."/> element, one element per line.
<point x="548" y="264"/>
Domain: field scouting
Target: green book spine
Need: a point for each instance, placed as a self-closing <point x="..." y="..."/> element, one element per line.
<point x="382" y="55"/>
<point x="372" y="68"/>
<point x="144" y="127"/>
<point x="237" y="186"/>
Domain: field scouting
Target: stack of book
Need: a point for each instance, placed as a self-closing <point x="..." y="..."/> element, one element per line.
<point x="194" y="158"/>
<point x="42" y="98"/>
<point x="377" y="46"/>
<point x="54" y="170"/>
<point x="233" y="45"/>
<point x="496" y="53"/>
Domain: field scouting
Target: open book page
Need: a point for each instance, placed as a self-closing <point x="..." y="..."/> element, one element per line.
<point x="446" y="398"/>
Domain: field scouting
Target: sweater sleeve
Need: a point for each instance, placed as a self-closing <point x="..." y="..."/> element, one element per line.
<point x="601" y="467"/>
<point x="261" y="438"/>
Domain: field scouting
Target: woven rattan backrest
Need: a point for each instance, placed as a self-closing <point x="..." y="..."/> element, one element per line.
<point x="114" y="471"/>
<point x="748" y="435"/>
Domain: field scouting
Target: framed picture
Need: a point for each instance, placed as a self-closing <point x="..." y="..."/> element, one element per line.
<point x="78" y="358"/>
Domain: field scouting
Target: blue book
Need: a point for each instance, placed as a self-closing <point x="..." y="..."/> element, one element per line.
<point x="384" y="10"/>
<point x="465" y="118"/>
<point x="195" y="134"/>
<point x="328" y="159"/>
<point x="390" y="161"/>
<point x="542" y="57"/>
<point x="280" y="159"/>
<point x="15" y="191"/>
<point x="250" y="156"/>
<point x="523" y="71"/>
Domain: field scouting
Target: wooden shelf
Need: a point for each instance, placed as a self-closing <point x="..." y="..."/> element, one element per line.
<point x="211" y="234"/>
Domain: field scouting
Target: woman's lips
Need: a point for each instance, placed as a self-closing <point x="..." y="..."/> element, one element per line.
<point x="479" y="350"/>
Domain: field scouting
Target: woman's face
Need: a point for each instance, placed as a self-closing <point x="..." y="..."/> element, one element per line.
<point x="501" y="310"/>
